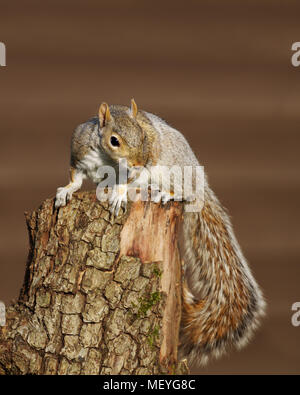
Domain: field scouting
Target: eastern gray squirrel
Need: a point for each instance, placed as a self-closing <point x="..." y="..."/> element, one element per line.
<point x="222" y="303"/>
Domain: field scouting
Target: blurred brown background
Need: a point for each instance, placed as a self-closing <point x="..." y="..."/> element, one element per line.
<point x="220" y="71"/>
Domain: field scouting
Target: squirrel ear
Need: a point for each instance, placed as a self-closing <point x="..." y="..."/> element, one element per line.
<point x="104" y="115"/>
<point x="134" y="108"/>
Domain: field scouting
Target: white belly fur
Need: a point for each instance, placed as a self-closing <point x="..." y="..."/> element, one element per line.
<point x="90" y="165"/>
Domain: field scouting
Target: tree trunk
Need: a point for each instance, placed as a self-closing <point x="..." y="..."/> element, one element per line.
<point x="101" y="294"/>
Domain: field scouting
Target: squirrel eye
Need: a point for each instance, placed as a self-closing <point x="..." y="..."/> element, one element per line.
<point x="114" y="141"/>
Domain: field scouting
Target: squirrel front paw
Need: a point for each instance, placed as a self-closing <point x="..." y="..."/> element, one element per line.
<point x="63" y="195"/>
<point x="117" y="197"/>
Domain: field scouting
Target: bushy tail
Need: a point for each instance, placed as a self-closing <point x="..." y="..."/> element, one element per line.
<point x="222" y="303"/>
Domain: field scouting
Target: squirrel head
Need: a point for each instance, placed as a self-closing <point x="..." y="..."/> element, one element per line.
<point x="120" y="134"/>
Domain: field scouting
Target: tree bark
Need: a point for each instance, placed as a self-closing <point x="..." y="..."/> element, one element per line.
<point x="101" y="294"/>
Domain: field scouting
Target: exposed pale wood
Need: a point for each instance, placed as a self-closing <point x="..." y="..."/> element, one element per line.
<point x="150" y="233"/>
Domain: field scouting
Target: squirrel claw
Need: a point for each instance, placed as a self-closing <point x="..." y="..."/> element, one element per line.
<point x="117" y="198"/>
<point x="63" y="195"/>
<point x="116" y="205"/>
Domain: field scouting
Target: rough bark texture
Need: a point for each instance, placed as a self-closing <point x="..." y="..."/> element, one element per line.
<point x="101" y="295"/>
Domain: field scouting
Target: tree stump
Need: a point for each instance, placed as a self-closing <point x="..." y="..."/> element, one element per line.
<point x="101" y="294"/>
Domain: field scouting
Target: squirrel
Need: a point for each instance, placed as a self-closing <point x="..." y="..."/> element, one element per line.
<point x="222" y="303"/>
